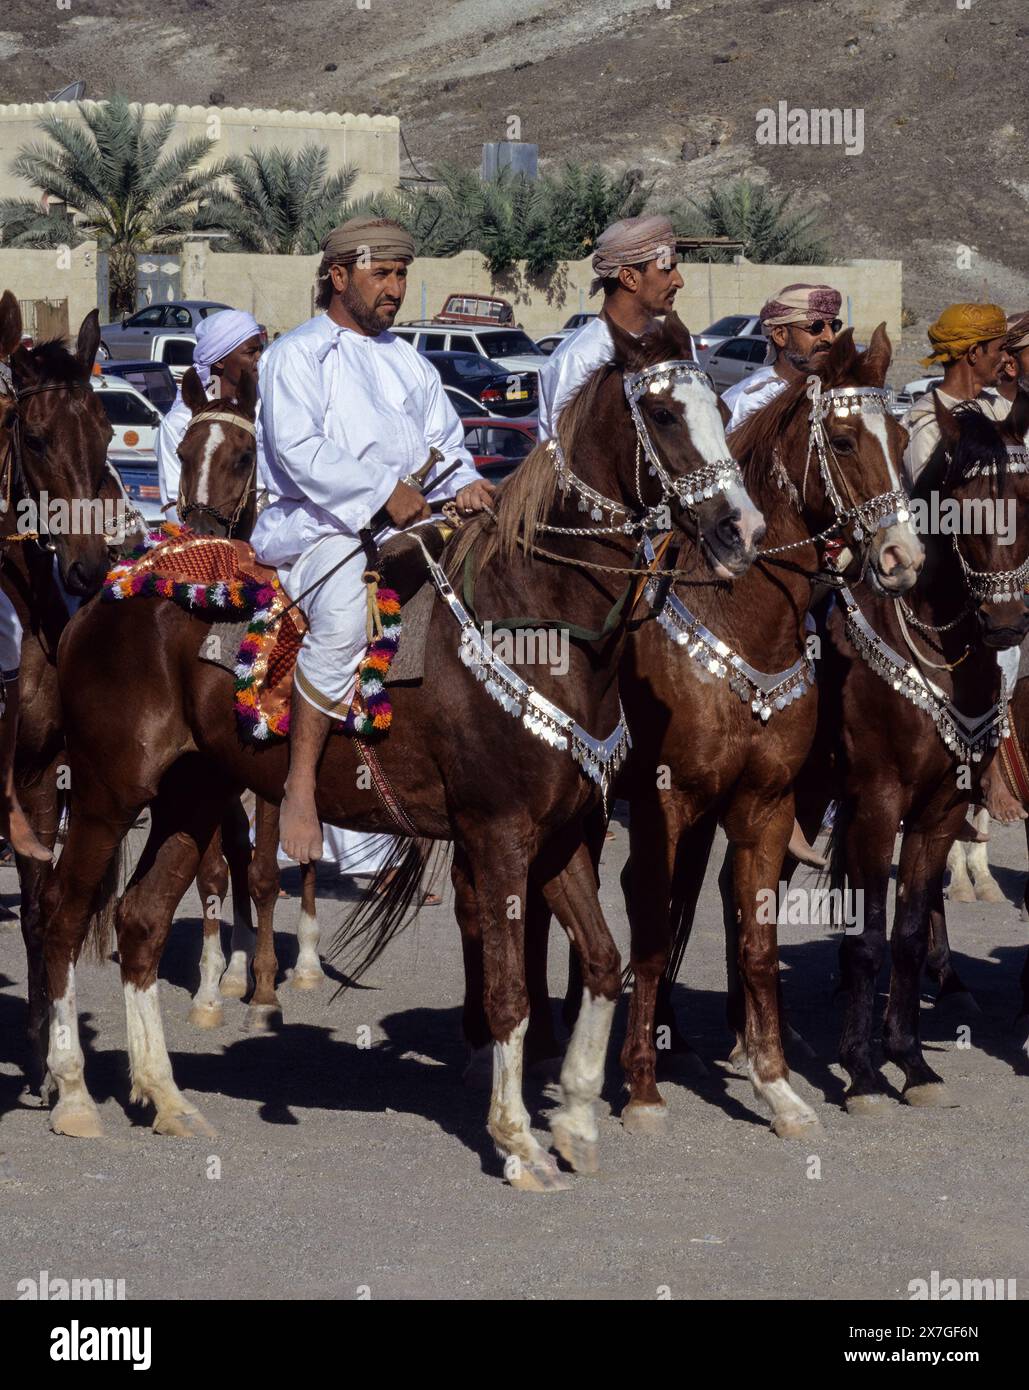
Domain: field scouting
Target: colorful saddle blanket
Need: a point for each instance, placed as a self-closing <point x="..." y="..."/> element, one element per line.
<point x="220" y="580"/>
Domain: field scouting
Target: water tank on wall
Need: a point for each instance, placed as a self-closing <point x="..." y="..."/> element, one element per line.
<point x="515" y="155"/>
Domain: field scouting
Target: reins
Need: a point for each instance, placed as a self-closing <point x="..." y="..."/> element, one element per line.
<point x="186" y="508"/>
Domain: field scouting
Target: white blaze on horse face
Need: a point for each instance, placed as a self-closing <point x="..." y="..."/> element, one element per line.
<point x="901" y="533"/>
<point x="215" y="437"/>
<point x="707" y="434"/>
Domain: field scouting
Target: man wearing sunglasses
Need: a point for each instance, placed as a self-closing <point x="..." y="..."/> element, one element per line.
<point x="800" y="322"/>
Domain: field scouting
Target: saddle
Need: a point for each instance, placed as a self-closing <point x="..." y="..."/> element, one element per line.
<point x="256" y="631"/>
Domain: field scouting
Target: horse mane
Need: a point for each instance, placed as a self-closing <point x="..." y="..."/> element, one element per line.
<point x="53" y="361"/>
<point x="979" y="442"/>
<point x="525" y="498"/>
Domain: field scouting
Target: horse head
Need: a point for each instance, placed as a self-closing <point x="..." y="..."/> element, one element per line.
<point x="982" y="465"/>
<point x="218" y="453"/>
<point x="830" y="441"/>
<point x="675" y="455"/>
<point x="58" y="463"/>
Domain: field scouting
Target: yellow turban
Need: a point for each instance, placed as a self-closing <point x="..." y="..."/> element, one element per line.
<point x="960" y="327"/>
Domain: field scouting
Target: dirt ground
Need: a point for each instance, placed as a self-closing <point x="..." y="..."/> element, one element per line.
<point x="348" y="1171"/>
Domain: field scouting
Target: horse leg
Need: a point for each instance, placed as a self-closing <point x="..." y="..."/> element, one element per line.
<point x="939" y="961"/>
<point x="959" y="889"/>
<point x="499" y="869"/>
<point x="41" y="805"/>
<point x="478" y="1072"/>
<point x="691" y="863"/>
<point x="212" y="885"/>
<point x="756" y="865"/>
<point x="264" y="1011"/>
<point x="654" y="832"/>
<point x="923" y="857"/>
<point x="73" y="893"/>
<point x="308" y="973"/>
<point x="184" y="818"/>
<point x="987" y="889"/>
<point x="572" y="897"/>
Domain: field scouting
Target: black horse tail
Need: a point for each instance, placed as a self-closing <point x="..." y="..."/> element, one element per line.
<point x="835" y="870"/>
<point x="99" y="940"/>
<point x="394" y="896"/>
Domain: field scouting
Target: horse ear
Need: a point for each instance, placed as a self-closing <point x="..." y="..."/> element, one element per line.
<point x="838" y="359"/>
<point x="723" y="411"/>
<point x="878" y="356"/>
<point x="10" y="323"/>
<point x="246" y="392"/>
<point x="88" y="340"/>
<point x="193" y="392"/>
<point x="679" y="333"/>
<point x="626" y="346"/>
<point x="949" y="429"/>
<point x="1016" y="425"/>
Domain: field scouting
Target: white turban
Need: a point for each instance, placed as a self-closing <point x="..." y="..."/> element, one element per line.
<point x="217" y="335"/>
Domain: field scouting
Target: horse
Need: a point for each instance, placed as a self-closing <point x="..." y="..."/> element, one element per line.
<point x="54" y="437"/>
<point x="721" y="696"/>
<point x="920" y="711"/>
<point x="175" y="746"/>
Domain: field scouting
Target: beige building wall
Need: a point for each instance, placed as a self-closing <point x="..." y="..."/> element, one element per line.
<point x="371" y="144"/>
<point x="55" y="275"/>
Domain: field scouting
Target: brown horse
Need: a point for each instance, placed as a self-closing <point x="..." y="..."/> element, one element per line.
<point x="148" y="724"/>
<point x="53" y="437"/>
<point x="919" y="712"/>
<point x="720" y="699"/>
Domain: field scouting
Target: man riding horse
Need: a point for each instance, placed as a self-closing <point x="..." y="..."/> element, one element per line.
<point x="350" y="412"/>
<point x="801" y="323"/>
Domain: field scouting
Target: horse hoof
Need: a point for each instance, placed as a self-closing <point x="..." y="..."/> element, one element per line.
<point x="646" y="1120"/>
<point x="478" y="1072"/>
<point x="868" y="1106"/>
<point x="932" y="1093"/>
<point x="795" y="1126"/>
<point x="961" y="895"/>
<point x="989" y="893"/>
<point x="184" y="1125"/>
<point x="78" y="1119"/>
<point x="574" y="1149"/>
<point x="262" y="1018"/>
<point x="206" y="1016"/>
<point x="960" y="1001"/>
<point x="540" y="1175"/>
<point x="232" y="986"/>
<point x="307" y="979"/>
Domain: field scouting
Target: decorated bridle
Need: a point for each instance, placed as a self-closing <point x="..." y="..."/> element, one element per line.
<point x="688" y="489"/>
<point x="186" y="508"/>
<point x="12" y="472"/>
<point x="996" y="586"/>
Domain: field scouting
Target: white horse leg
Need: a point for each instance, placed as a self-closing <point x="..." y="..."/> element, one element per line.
<point x="308" y="973"/>
<point x="235" y="983"/>
<point x="987" y="889"/>
<point x="150" y="1068"/>
<point x="206" y="1011"/>
<point x="527" y="1165"/>
<point x="960" y="889"/>
<point x="75" y="1112"/>
<point x="574" y="1123"/>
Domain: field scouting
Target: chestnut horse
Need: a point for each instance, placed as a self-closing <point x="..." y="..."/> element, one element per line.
<point x="920" y="708"/>
<point x="54" y="436"/>
<point x="149" y="724"/>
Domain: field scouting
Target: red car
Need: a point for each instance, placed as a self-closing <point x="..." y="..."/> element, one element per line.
<point x="498" y="446"/>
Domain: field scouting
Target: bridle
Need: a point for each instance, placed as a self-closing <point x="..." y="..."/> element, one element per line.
<point x="688" y="489"/>
<point x="996" y="586"/>
<point x="12" y="472"/>
<point x="186" y="508"/>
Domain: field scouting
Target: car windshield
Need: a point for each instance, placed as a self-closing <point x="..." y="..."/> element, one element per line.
<point x="510" y="343"/>
<point x="471" y="364"/>
<point x="125" y="408"/>
<point x="157" y="385"/>
<point x="206" y="310"/>
<point x="727" y="327"/>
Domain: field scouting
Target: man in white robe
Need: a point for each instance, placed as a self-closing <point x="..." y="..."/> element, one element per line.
<point x="349" y="413"/>
<point x="227" y="343"/>
<point x="800" y="322"/>
<point x="636" y="266"/>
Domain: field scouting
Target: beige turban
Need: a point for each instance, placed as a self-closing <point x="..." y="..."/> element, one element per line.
<point x="633" y="241"/>
<point x="1018" y="332"/>
<point x="960" y="327"/>
<point x="375" y="238"/>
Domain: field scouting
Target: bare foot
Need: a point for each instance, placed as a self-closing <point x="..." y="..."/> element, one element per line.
<point x="1000" y="803"/>
<point x="22" y="837"/>
<point x="300" y="831"/>
<point x="802" y="851"/>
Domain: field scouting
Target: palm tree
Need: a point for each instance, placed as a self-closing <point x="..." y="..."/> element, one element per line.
<point x="750" y="213"/>
<point x="279" y="203"/>
<point x="120" y="184"/>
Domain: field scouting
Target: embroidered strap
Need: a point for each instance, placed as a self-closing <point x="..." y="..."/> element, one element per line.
<point x="384" y="790"/>
<point x="1013" y="766"/>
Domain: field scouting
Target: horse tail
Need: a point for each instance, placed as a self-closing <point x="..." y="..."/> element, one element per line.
<point x="835" y="870"/>
<point x="410" y="868"/>
<point x="100" y="931"/>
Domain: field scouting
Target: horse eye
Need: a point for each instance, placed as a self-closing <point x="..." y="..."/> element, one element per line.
<point x="842" y="444"/>
<point x="663" y="416"/>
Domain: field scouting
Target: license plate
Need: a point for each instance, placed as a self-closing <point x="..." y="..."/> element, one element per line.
<point x="517" y="395"/>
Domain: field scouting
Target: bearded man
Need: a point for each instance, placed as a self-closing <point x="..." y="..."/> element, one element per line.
<point x="801" y="323"/>
<point x="635" y="263"/>
<point x="349" y="412"/>
<point x="1014" y="369"/>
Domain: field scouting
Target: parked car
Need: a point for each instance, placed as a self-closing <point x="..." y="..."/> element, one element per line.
<point x="922" y="386"/>
<point x="735" y="359"/>
<point x="133" y="419"/>
<point x="554" y="340"/>
<point x="152" y="379"/>
<point x="466" y="406"/>
<point x="577" y="320"/>
<point x="509" y="348"/>
<point x="139" y="478"/>
<point x="498" y="446"/>
<point x="505" y="393"/>
<point x="131" y="337"/>
<point x="472" y="308"/>
<point x="175" y="350"/>
<point x="731" y="326"/>
<point x="902" y="403"/>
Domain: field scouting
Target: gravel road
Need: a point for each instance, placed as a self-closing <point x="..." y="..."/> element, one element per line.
<point x="349" y="1171"/>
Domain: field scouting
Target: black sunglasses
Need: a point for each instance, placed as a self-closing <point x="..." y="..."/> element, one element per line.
<point x="819" y="324"/>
